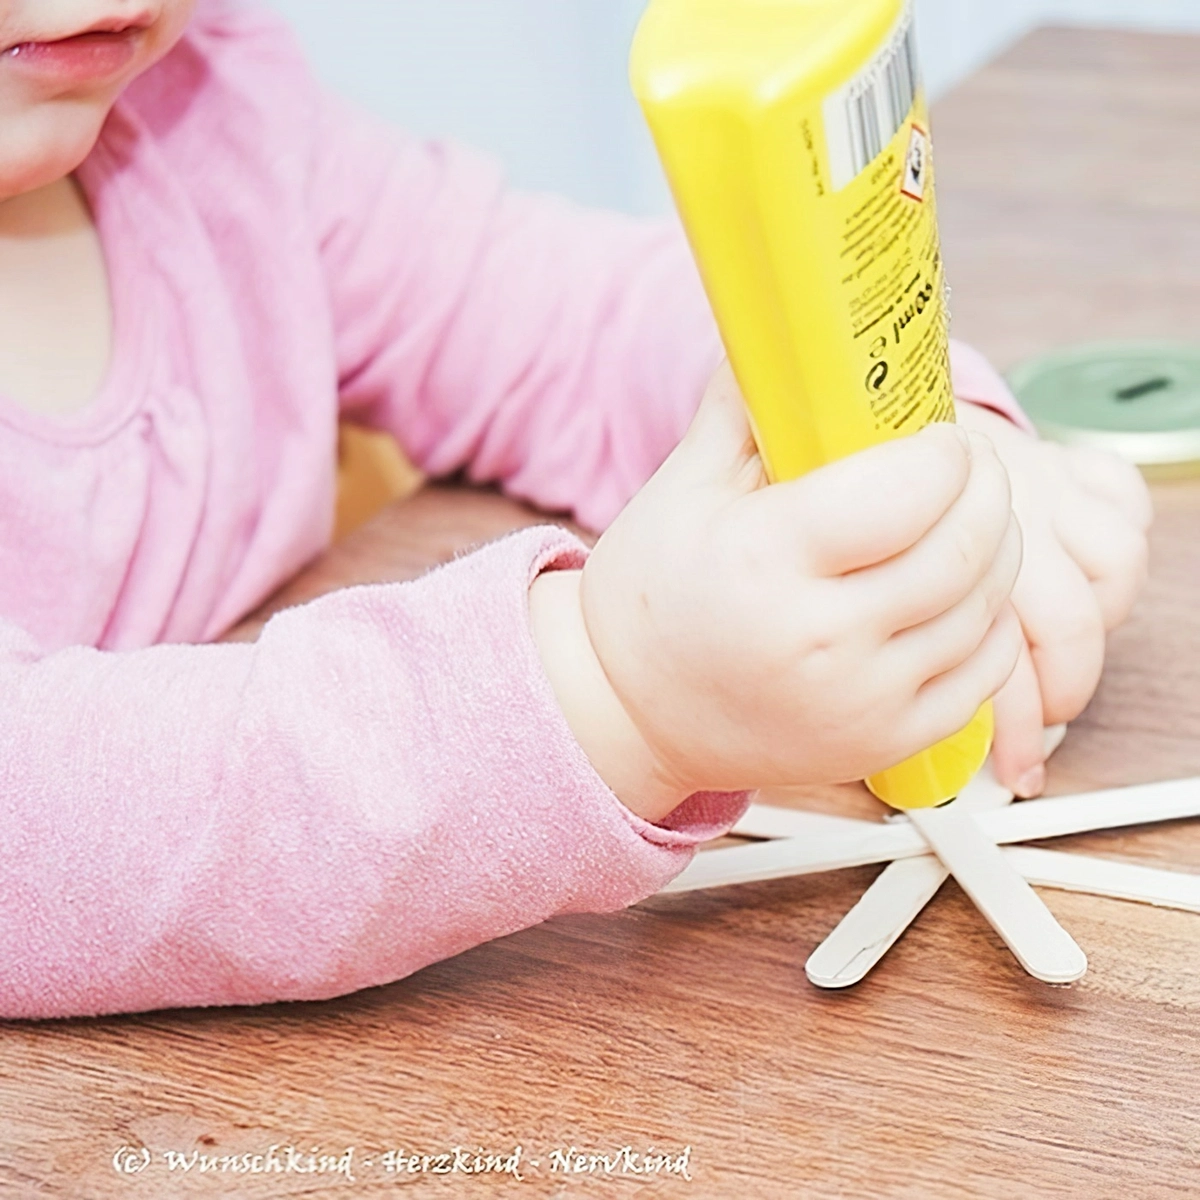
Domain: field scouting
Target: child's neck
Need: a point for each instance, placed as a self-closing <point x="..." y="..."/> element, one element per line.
<point x="55" y="317"/>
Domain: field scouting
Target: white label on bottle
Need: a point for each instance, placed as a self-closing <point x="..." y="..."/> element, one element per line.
<point x="862" y="117"/>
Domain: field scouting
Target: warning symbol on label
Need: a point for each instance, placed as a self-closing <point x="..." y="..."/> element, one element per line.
<point x="916" y="164"/>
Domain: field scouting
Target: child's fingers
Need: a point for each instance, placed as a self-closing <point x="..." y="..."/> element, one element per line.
<point x="864" y="509"/>
<point x="946" y="704"/>
<point x="719" y="442"/>
<point x="1108" y="548"/>
<point x="1064" y="626"/>
<point x="1114" y="480"/>
<point x="1018" y="753"/>
<point x="925" y="651"/>
<point x="952" y="559"/>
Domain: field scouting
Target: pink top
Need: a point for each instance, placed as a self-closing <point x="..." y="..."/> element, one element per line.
<point x="384" y="779"/>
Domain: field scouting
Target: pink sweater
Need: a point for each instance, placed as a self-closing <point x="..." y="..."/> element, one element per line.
<point x="384" y="779"/>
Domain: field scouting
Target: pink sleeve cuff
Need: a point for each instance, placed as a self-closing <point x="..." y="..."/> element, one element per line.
<point x="978" y="382"/>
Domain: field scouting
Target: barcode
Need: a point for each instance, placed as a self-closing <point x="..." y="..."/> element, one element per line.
<point x="863" y="117"/>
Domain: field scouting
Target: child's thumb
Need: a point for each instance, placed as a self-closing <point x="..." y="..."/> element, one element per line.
<point x="719" y="442"/>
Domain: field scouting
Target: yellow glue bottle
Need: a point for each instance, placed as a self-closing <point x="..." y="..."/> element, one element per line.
<point x="795" y="138"/>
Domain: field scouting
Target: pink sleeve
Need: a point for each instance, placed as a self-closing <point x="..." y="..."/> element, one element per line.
<point x="557" y="350"/>
<point x="383" y="780"/>
<point x="978" y="382"/>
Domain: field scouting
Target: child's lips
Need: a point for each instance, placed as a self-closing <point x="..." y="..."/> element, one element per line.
<point x="87" y="57"/>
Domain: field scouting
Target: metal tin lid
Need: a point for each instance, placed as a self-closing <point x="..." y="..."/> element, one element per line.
<point x="1139" y="399"/>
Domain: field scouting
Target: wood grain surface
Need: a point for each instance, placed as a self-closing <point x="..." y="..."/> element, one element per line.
<point x="1070" y="190"/>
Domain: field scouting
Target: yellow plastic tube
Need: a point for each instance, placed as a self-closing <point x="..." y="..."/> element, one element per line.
<point x="795" y="138"/>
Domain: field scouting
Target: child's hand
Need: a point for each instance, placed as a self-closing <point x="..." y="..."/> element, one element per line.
<point x="727" y="635"/>
<point x="1084" y="515"/>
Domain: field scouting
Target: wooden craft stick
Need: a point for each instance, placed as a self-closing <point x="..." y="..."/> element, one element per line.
<point x="1028" y="821"/>
<point x="887" y="908"/>
<point x="1063" y="815"/>
<point x="1012" y="908"/>
<point x="870" y="929"/>
<point x="787" y="856"/>
<point x="771" y="821"/>
<point x="1105" y="877"/>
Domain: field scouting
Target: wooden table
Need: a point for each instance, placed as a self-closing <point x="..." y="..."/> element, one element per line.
<point x="1071" y="200"/>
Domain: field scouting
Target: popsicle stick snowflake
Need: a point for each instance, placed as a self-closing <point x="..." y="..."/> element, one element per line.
<point x="794" y="842"/>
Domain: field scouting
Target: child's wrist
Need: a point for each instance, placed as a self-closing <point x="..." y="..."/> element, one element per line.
<point x="596" y="716"/>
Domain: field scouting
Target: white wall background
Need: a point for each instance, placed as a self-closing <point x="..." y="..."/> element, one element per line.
<point x="542" y="83"/>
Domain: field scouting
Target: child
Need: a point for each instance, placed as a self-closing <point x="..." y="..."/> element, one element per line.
<point x="205" y="261"/>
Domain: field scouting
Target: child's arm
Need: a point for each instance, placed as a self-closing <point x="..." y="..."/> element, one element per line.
<point x="383" y="780"/>
<point x="558" y="350"/>
<point x="562" y="352"/>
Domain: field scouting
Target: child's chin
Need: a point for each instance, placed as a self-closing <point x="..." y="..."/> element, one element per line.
<point x="42" y="144"/>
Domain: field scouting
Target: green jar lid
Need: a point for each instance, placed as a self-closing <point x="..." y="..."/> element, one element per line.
<point x="1139" y="399"/>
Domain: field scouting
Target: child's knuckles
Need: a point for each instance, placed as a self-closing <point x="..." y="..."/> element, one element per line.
<point x="1119" y="479"/>
<point x="984" y="606"/>
<point x="1068" y="682"/>
<point x="1129" y="550"/>
<point x="819" y="661"/>
<point x="981" y="451"/>
<point x="822" y="651"/>
<point x="1116" y="599"/>
<point x="1010" y="647"/>
<point x="985" y="672"/>
<point x="964" y="557"/>
<point x="941" y="460"/>
<point x="1126" y="569"/>
<point x="962" y="703"/>
<point x="1006" y="567"/>
<point x="953" y="442"/>
<point x="1123" y="590"/>
<point x="929" y="471"/>
<point x="952" y="640"/>
<point x="1072" y="629"/>
<point x="1066" y="695"/>
<point x="928" y="723"/>
<point x="996" y="481"/>
<point x="1141" y="502"/>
